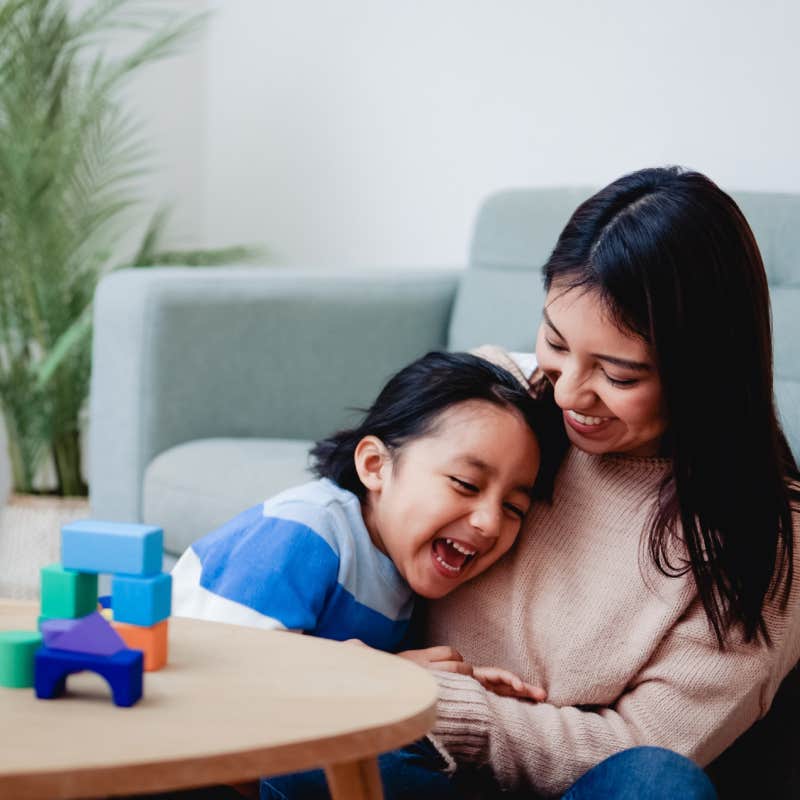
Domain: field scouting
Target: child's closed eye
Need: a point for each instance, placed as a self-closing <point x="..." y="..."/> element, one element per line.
<point x="465" y="485"/>
<point x="515" y="510"/>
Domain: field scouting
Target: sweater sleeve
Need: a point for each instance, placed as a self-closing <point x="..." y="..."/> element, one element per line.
<point x="691" y="698"/>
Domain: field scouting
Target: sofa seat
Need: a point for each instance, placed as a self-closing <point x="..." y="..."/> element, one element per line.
<point x="192" y="488"/>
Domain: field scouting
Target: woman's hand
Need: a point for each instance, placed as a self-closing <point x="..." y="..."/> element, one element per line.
<point x="507" y="684"/>
<point x="443" y="658"/>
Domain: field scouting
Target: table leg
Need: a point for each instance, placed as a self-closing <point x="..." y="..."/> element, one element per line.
<point x="355" y="780"/>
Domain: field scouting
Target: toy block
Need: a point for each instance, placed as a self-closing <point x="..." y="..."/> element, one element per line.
<point x="141" y="601"/>
<point x="90" y="634"/>
<point x="107" y="614"/>
<point x="151" y="641"/>
<point x="123" y="671"/>
<point x="17" y="649"/>
<point x="67" y="593"/>
<point x="104" y="601"/>
<point x="94" y="546"/>
<point x="51" y="629"/>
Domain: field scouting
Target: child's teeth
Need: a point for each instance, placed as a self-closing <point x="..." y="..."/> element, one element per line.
<point x="446" y="565"/>
<point x="460" y="548"/>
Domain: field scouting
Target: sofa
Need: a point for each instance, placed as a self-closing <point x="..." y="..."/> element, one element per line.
<point x="208" y="386"/>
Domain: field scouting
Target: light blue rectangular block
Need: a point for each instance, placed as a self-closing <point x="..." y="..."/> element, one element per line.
<point x="141" y="601"/>
<point x="91" y="545"/>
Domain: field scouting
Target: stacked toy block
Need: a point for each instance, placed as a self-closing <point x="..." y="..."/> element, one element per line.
<point x="141" y="595"/>
<point x="75" y="635"/>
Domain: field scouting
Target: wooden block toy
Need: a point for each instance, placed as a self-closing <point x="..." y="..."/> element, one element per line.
<point x="123" y="671"/>
<point x="94" y="546"/>
<point x="90" y="634"/>
<point x="151" y="641"/>
<point x="141" y="601"/>
<point x="17" y="649"/>
<point x="67" y="593"/>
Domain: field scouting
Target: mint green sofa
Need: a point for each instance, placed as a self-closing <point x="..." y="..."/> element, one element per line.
<point x="209" y="385"/>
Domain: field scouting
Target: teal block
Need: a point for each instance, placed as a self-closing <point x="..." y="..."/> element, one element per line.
<point x="141" y="601"/>
<point x="67" y="593"/>
<point x="91" y="545"/>
<point x="17" y="650"/>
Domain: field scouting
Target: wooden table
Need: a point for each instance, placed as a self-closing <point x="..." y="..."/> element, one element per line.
<point x="232" y="704"/>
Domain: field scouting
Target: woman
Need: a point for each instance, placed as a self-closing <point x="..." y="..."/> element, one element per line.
<point x="654" y="598"/>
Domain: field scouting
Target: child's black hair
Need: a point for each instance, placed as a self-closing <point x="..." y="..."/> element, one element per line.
<point x="411" y="402"/>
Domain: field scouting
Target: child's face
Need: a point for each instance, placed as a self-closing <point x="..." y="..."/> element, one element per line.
<point x="451" y="502"/>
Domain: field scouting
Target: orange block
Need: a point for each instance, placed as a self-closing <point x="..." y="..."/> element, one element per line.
<point x="151" y="641"/>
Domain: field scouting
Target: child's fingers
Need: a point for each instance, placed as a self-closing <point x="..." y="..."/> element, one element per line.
<point x="461" y="667"/>
<point x="506" y="683"/>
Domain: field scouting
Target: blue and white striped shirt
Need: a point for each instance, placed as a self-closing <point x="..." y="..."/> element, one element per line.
<point x="302" y="560"/>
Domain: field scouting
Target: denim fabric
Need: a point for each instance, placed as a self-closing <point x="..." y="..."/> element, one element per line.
<point x="643" y="773"/>
<point x="412" y="773"/>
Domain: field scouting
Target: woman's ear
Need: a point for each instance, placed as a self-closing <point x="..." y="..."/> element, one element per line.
<point x="371" y="460"/>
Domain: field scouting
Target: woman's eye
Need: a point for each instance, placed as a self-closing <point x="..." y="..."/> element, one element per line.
<point x="468" y="487"/>
<point x="622" y="382"/>
<point x="559" y="348"/>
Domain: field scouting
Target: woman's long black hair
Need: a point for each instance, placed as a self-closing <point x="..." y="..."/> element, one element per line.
<point x="676" y="263"/>
<point x="412" y="401"/>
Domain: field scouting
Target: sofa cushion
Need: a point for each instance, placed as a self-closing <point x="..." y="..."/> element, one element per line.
<point x="193" y="488"/>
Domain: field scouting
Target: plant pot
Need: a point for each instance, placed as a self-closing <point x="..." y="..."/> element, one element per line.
<point x="30" y="538"/>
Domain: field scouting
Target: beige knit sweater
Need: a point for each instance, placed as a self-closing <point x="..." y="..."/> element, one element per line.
<point x="626" y="654"/>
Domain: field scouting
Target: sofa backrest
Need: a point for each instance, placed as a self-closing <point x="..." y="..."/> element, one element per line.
<point x="500" y="297"/>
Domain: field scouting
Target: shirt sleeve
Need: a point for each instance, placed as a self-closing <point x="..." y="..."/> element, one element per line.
<point x="691" y="698"/>
<point x="261" y="570"/>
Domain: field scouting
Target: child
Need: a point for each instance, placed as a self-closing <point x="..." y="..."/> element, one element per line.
<point x="426" y="493"/>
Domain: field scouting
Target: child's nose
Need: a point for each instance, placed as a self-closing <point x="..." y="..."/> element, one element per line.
<point x="485" y="519"/>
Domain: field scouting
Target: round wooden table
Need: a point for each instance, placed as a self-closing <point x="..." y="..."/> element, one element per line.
<point x="232" y="704"/>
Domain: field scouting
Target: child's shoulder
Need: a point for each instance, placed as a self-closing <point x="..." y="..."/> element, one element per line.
<point x="321" y="505"/>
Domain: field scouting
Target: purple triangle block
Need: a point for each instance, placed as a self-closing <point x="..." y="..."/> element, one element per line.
<point x="51" y="629"/>
<point x="89" y="634"/>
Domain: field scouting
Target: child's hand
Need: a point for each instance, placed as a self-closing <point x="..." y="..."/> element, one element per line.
<point x="507" y="684"/>
<point x="443" y="658"/>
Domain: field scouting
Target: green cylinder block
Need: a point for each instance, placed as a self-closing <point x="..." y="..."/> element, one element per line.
<point x="17" y="649"/>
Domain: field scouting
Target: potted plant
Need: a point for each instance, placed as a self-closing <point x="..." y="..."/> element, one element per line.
<point x="69" y="159"/>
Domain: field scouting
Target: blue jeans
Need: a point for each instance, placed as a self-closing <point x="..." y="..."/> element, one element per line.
<point x="414" y="773"/>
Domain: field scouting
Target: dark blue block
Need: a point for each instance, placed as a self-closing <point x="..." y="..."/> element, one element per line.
<point x="123" y="671"/>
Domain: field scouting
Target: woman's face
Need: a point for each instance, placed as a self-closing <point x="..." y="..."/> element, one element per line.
<point x="604" y="379"/>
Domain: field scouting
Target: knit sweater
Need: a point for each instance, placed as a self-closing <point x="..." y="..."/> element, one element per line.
<point x="625" y="653"/>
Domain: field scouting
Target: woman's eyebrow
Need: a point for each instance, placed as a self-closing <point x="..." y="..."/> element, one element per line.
<point x="636" y="366"/>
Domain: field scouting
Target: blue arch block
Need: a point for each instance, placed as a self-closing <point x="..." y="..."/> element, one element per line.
<point x="123" y="671"/>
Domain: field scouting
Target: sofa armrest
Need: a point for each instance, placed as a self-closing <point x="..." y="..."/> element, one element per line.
<point x="182" y="354"/>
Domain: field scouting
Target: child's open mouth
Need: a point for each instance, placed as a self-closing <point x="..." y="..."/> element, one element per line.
<point x="451" y="556"/>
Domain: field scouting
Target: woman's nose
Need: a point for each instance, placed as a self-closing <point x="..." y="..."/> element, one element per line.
<point x="571" y="389"/>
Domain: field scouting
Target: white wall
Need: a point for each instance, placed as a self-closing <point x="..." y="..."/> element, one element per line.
<point x="367" y="131"/>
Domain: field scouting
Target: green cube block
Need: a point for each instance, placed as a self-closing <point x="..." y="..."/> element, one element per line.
<point x="67" y="593"/>
<point x="17" y="649"/>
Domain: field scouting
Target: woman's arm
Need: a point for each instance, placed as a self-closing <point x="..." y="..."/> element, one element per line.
<point x="690" y="698"/>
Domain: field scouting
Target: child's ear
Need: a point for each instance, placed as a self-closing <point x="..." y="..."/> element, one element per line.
<point x="371" y="459"/>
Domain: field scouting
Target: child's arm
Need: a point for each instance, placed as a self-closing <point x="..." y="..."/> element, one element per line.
<point x="500" y="681"/>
